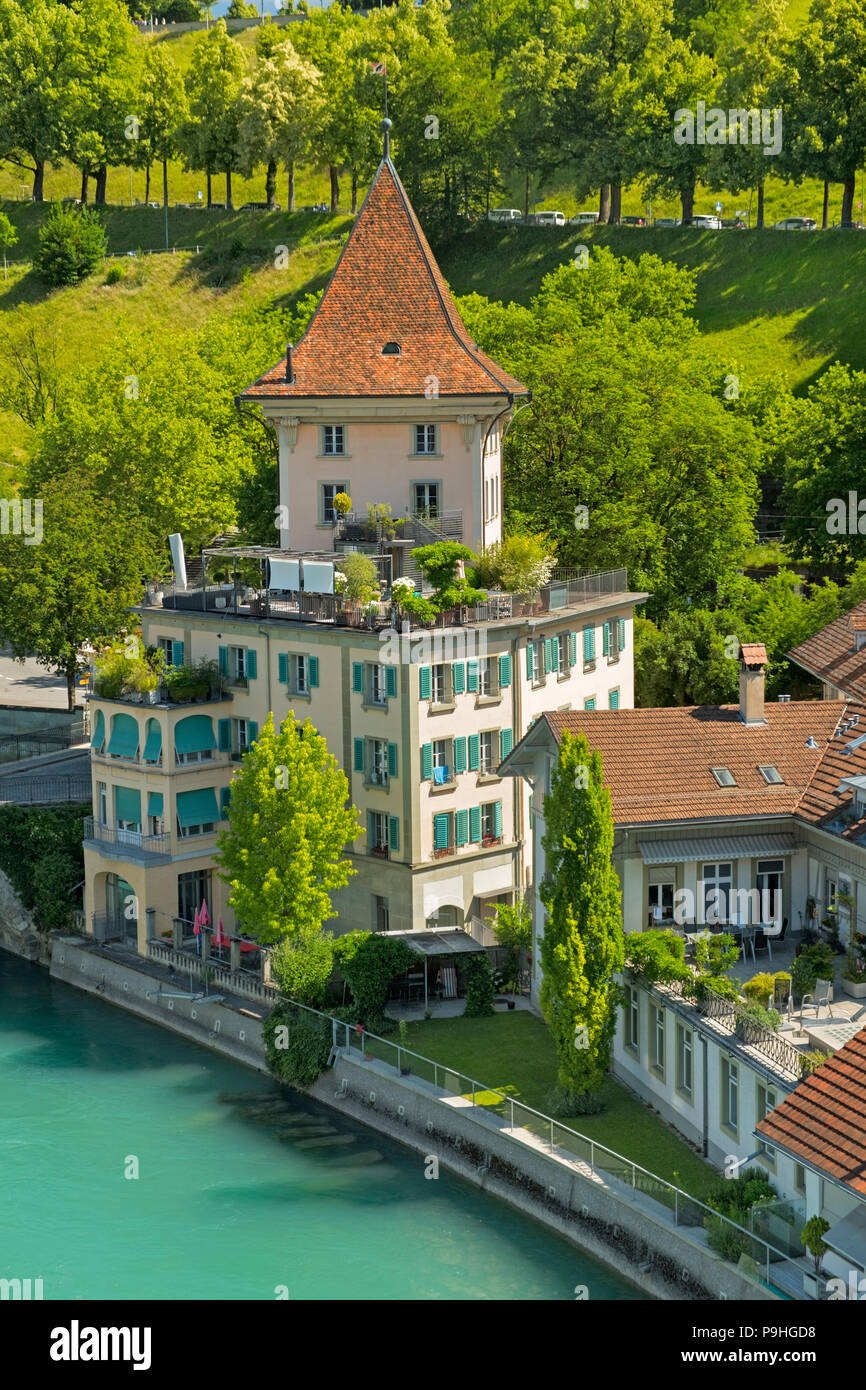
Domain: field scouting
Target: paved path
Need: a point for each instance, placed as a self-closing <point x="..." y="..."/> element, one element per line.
<point x="26" y="683"/>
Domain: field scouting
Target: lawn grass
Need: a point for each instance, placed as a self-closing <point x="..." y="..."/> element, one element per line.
<point x="513" y="1052"/>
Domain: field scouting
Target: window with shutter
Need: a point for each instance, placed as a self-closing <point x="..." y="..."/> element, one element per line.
<point x="474" y="824"/>
<point x="252" y="730"/>
<point x="530" y="661"/>
<point x="613" y="700"/>
<point x="506" y="743"/>
<point x="504" y="671"/>
<point x="390" y="682"/>
<point x="572" y="649"/>
<point x="392" y="760"/>
<point x="621" y="634"/>
<point x="225" y="798"/>
<point x="474" y="752"/>
<point x="427" y="762"/>
<point x="393" y="834"/>
<point x="441" y="831"/>
<point x="313" y="665"/>
<point x="461" y="831"/>
<point x="359" y="755"/>
<point x="251" y="664"/>
<point x="605" y="639"/>
<point x="177" y="653"/>
<point x="497" y="819"/>
<point x="589" y="644"/>
<point x="283" y="668"/>
<point x="460" y="755"/>
<point x="425" y="685"/>
<point x="224" y="727"/>
<point x="358" y="677"/>
<point x="472" y="676"/>
<point x="458" y="671"/>
<point x="223" y="654"/>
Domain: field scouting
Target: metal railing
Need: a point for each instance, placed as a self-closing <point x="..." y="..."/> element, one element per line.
<point x="45" y="791"/>
<point x="233" y="981"/>
<point x="732" y="1018"/>
<point x="133" y="840"/>
<point x="15" y="747"/>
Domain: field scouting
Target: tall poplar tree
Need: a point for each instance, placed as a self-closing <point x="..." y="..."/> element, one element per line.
<point x="583" y="943"/>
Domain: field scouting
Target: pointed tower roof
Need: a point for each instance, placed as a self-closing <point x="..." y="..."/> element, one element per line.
<point x="386" y="289"/>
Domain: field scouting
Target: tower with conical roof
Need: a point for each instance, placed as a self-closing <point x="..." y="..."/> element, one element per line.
<point x="386" y="396"/>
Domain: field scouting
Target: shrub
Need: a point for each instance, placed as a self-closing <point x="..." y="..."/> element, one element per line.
<point x="369" y="961"/>
<point x="735" y="1197"/>
<point x="115" y="274"/>
<point x="298" y="1044"/>
<point x="478" y="979"/>
<point x="518" y="564"/>
<point x="72" y="244"/>
<point x="657" y="955"/>
<point x="725" y="1241"/>
<point x="561" y="1104"/>
<point x="716" y="984"/>
<point x="362" y="577"/>
<point x="439" y="563"/>
<point x="760" y="989"/>
<point x="768" y="1018"/>
<point x="303" y="965"/>
<point x="512" y="927"/>
<point x="812" y="1237"/>
<point x="55" y="877"/>
<point x="715" y="953"/>
<point x="813" y="963"/>
<point x="42" y="856"/>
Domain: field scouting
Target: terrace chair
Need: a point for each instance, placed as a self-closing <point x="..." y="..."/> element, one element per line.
<point x="823" y="995"/>
<point x="765" y="943"/>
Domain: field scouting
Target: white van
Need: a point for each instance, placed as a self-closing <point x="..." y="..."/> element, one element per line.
<point x="707" y="221"/>
<point x="583" y="219"/>
<point x="504" y="215"/>
<point x="549" y="219"/>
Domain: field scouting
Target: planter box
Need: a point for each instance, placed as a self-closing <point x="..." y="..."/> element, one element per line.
<point x="855" y="989"/>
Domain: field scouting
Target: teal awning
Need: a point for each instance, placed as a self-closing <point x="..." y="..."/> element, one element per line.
<point x="127" y="804"/>
<point x="198" y="807"/>
<point x="153" y="742"/>
<point x="98" y="731"/>
<point x="194" y="734"/>
<point x="154" y="803"/>
<point x="124" y="736"/>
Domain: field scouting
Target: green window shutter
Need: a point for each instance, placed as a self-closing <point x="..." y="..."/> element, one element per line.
<point x="198" y="807"/>
<point x="359" y="755"/>
<point x="605" y="640"/>
<point x="461" y="831"/>
<point x="472" y="675"/>
<point x="154" y="803"/>
<point x="621" y="634"/>
<point x="225" y="735"/>
<point x="223" y="653"/>
<point x="358" y="677"/>
<point x="547" y="657"/>
<point x="530" y="661"/>
<point x="497" y="818"/>
<point x="589" y="643"/>
<point x="504" y="670"/>
<point x="194" y="734"/>
<point x="474" y="824"/>
<point x="440" y="831"/>
<point x="572" y="649"/>
<point x="459" y="674"/>
<point x="392" y="760"/>
<point x="506" y="743"/>
<point x="124" y="737"/>
<point x="313" y="671"/>
<point x="474" y="752"/>
<point x="153" y="742"/>
<point x="589" y="704"/>
<point x="425" y="683"/>
<point x="283" y="668"/>
<point x="390" y="682"/>
<point x="98" y="731"/>
<point x="177" y="653"/>
<point x="225" y="798"/>
<point x="426" y="762"/>
<point x="459" y="755"/>
<point x="252" y="731"/>
<point x="250" y="667"/>
<point x="613" y="700"/>
<point x="127" y="804"/>
<point x="393" y="834"/>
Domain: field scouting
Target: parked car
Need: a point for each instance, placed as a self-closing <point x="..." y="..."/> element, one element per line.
<point x="795" y="224"/>
<point x="583" y="219"/>
<point x="847" y="226"/>
<point x="548" y="219"/>
<point x="734" y="222"/>
<point x="668" y="222"/>
<point x="633" y="221"/>
<point x="504" y="215"/>
<point x="706" y="221"/>
<point x="259" y="207"/>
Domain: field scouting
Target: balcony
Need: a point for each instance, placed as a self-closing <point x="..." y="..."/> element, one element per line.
<point x="132" y="845"/>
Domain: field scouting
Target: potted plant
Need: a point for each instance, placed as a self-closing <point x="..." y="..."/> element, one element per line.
<point x="812" y="1236"/>
<point x="519" y="565"/>
<point x="854" y="974"/>
<point x="342" y="504"/>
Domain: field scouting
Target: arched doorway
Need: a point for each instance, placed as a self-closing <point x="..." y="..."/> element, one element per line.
<point x="121" y="908"/>
<point x="445" y="918"/>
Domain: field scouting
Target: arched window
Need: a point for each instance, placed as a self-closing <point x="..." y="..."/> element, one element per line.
<point x="124" y="737"/>
<point x="98" y="737"/>
<point x="391" y="350"/>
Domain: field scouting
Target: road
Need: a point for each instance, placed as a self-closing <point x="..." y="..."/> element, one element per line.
<point x="29" y="685"/>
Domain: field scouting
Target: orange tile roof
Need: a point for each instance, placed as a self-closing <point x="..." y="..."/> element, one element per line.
<point x="857" y="621"/>
<point x="658" y="762"/>
<point x="830" y="654"/>
<point x="753" y="654"/>
<point x="824" y="1119"/>
<point x="386" y="287"/>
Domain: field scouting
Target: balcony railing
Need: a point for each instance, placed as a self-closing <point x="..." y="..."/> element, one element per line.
<point x="133" y="842"/>
<point x="730" y="1017"/>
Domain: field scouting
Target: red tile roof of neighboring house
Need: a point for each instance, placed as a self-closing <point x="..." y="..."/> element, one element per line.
<point x="823" y="1121"/>
<point x="830" y="654"/>
<point x="658" y="762"/>
<point x="753" y="654"/>
<point x="386" y="288"/>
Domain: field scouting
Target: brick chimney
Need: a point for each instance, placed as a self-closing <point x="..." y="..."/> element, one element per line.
<point x="753" y="659"/>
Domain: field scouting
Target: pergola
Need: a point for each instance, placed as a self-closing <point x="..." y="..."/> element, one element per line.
<point x="429" y="943"/>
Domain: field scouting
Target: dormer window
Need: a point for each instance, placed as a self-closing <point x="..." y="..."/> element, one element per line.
<point x="771" y="775"/>
<point x="392" y="350"/>
<point x="724" y="776"/>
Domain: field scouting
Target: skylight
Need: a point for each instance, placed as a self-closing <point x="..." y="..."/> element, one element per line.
<point x="724" y="776"/>
<point x="391" y="350"/>
<point x="770" y="774"/>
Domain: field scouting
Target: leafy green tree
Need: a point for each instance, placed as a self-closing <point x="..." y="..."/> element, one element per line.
<point x="480" y="990"/>
<point x="531" y="82"/>
<point x="209" y="139"/>
<point x="290" y="820"/>
<point x="8" y="236"/>
<point x="73" y="586"/>
<point x="676" y="78"/>
<point x="105" y="86"/>
<point x="72" y="244"/>
<point x="685" y="661"/>
<point x="239" y="9"/>
<point x="278" y="103"/>
<point x="161" y="110"/>
<point x="583" y="943"/>
<point x="302" y="965"/>
<point x="512" y="926"/>
<point x="369" y="962"/>
<point x="38" y="50"/>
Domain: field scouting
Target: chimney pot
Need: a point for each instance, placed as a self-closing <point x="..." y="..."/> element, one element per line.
<point x="290" y="371"/>
<point x="753" y="660"/>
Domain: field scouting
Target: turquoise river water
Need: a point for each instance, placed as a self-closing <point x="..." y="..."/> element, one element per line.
<point x="243" y="1187"/>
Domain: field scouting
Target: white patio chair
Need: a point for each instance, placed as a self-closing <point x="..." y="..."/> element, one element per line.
<point x="823" y="995"/>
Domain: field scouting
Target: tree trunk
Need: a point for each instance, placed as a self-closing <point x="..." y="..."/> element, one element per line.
<point x="354" y="190"/>
<point x="604" y="203"/>
<point x="687" y="199"/>
<point x="229" y="207"/>
<point x="291" y="185"/>
<point x="85" y="179"/>
<point x="70" y="687"/>
<point x="825" y="211"/>
<point x="39" y="181"/>
<point x="101" y="181"/>
<point x="146" y="184"/>
<point x="848" y="188"/>
<point x="165" y="183"/>
<point x="335" y="188"/>
<point x="616" y="203"/>
<point x="759" y="219"/>
<point x="209" y="194"/>
<point x="526" y="200"/>
<point x="271" y="184"/>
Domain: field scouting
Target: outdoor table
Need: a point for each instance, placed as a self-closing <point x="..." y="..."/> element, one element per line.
<point x="829" y="1037"/>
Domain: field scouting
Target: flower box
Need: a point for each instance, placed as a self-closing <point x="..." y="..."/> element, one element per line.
<point x="855" y="989"/>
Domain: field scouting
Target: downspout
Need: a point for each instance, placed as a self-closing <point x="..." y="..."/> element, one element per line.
<point x="493" y="420"/>
<point x="705" y="1141"/>
<point x="267" y="638"/>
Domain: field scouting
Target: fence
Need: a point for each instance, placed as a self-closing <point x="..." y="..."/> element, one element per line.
<point x="731" y="1017"/>
<point x="14" y="747"/>
<point x="45" y="791"/>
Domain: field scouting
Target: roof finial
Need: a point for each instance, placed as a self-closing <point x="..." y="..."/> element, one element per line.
<point x="385" y="127"/>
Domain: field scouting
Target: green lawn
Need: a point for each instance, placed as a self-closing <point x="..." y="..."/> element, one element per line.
<point x="513" y="1052"/>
